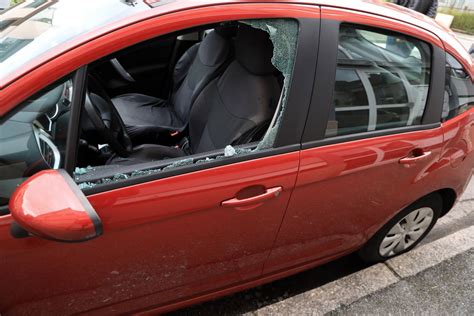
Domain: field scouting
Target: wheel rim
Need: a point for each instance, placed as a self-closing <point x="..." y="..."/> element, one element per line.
<point x="406" y="232"/>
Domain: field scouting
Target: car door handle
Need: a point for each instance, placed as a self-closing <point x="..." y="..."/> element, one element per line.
<point x="415" y="156"/>
<point x="254" y="201"/>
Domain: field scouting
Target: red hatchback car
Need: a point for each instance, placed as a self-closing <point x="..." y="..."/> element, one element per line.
<point x="155" y="154"/>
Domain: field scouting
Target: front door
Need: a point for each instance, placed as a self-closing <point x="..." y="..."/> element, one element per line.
<point x="182" y="230"/>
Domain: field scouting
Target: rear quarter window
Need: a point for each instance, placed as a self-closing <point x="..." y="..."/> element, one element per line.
<point x="459" y="89"/>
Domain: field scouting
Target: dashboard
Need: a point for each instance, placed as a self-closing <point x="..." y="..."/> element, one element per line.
<point x="50" y="128"/>
<point x="34" y="138"/>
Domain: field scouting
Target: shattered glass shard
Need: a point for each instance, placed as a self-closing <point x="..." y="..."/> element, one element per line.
<point x="283" y="34"/>
<point x="229" y="151"/>
<point x="179" y="163"/>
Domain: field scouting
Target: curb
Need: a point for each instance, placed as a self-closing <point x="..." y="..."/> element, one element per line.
<point x="353" y="287"/>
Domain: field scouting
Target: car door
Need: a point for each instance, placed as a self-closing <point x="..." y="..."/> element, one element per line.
<point x="178" y="234"/>
<point x="372" y="140"/>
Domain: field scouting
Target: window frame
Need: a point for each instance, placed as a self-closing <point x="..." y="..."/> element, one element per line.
<point x="287" y="139"/>
<point x="324" y="87"/>
<point x="448" y="56"/>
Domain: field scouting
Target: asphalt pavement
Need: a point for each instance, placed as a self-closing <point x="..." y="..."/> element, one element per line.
<point x="447" y="288"/>
<point x="465" y="39"/>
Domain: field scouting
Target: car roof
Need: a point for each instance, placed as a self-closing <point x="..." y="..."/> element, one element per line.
<point x="376" y="7"/>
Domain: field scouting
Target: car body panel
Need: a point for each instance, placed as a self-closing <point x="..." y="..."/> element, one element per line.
<point x="169" y="236"/>
<point x="458" y="152"/>
<point x="319" y="222"/>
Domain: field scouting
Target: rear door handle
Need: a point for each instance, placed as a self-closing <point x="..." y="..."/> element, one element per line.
<point x="254" y="201"/>
<point x="415" y="156"/>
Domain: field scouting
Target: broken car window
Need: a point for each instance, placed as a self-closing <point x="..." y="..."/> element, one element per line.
<point x="211" y="111"/>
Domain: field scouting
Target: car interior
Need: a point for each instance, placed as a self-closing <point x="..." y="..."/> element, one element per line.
<point x="180" y="95"/>
<point x="191" y="93"/>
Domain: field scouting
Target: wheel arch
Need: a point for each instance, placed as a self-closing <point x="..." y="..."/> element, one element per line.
<point x="449" y="197"/>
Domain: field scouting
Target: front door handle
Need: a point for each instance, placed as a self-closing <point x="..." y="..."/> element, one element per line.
<point x="254" y="201"/>
<point x="415" y="156"/>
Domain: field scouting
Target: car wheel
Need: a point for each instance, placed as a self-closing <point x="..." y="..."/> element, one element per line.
<point x="404" y="231"/>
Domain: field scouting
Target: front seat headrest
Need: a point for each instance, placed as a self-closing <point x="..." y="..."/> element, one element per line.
<point x="214" y="49"/>
<point x="227" y="30"/>
<point x="254" y="50"/>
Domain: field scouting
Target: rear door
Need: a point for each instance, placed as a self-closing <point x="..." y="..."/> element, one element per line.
<point x="372" y="140"/>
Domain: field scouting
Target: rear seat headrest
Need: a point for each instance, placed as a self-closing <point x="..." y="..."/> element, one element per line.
<point x="254" y="50"/>
<point x="214" y="49"/>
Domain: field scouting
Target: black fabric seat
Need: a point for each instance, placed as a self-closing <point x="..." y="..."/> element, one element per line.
<point x="146" y="116"/>
<point x="243" y="98"/>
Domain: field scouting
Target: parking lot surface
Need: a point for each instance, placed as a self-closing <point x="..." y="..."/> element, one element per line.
<point x="447" y="288"/>
<point x="465" y="39"/>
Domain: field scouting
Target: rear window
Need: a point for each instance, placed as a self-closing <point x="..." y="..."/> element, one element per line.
<point x="382" y="81"/>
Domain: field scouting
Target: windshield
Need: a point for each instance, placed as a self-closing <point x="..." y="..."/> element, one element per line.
<point x="34" y="27"/>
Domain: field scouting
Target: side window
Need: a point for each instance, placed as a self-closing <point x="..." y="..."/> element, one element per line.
<point x="34" y="138"/>
<point x="221" y="93"/>
<point x="382" y="81"/>
<point x="459" y="89"/>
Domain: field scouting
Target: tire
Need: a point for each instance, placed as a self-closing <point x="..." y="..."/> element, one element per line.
<point x="403" y="232"/>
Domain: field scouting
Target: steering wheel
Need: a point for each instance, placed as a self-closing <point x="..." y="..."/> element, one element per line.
<point x="106" y="120"/>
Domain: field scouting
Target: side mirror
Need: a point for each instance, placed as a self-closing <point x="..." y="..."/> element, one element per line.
<point x="50" y="205"/>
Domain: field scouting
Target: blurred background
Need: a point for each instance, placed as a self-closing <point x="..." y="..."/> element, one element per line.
<point x="462" y="13"/>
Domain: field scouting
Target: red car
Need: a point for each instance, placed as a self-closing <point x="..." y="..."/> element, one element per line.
<point x="156" y="154"/>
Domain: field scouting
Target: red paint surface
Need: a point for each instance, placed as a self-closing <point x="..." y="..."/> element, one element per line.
<point x="46" y="206"/>
<point x="458" y="151"/>
<point x="346" y="192"/>
<point x="163" y="240"/>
